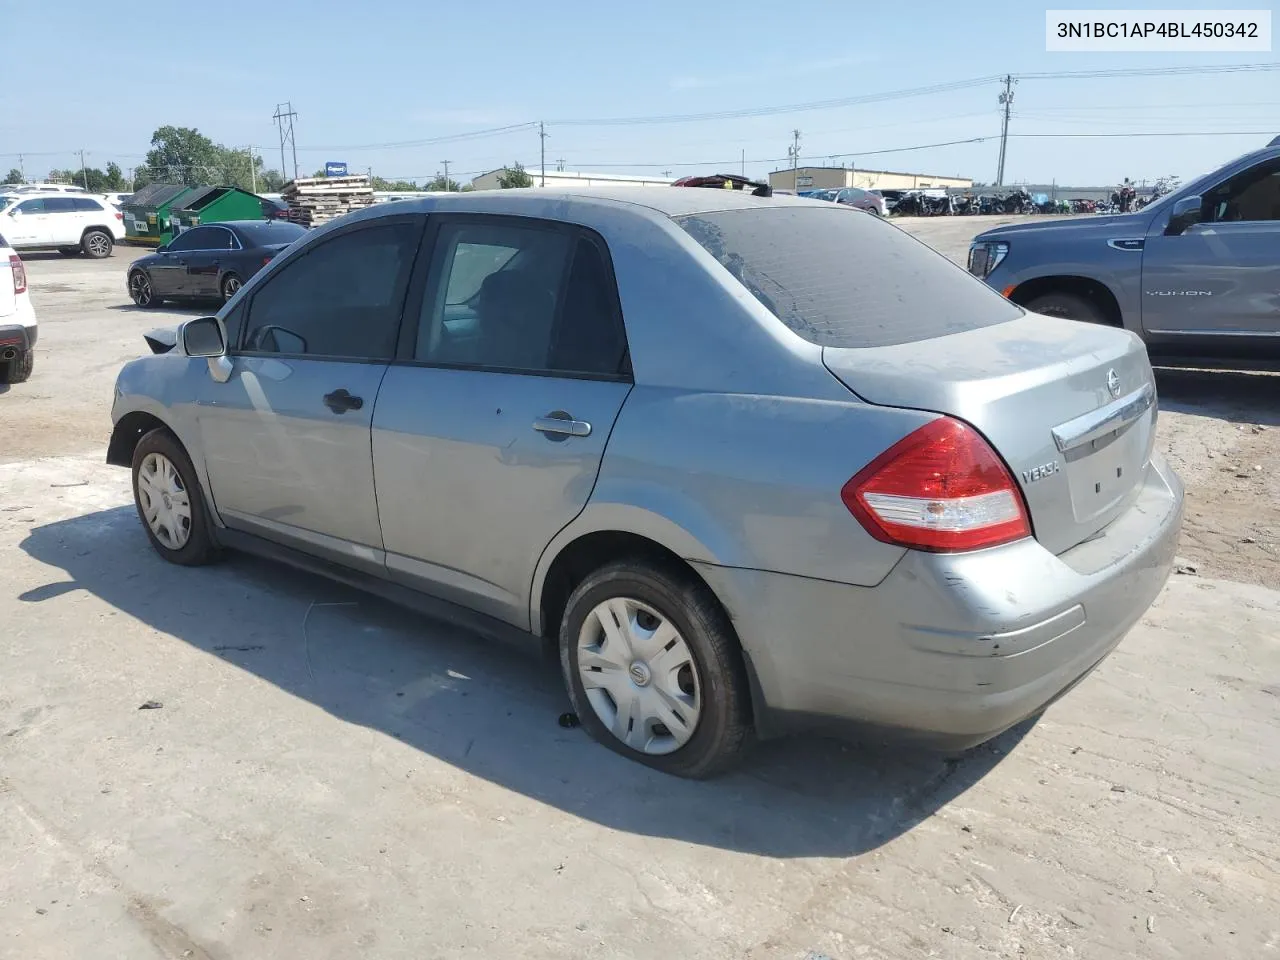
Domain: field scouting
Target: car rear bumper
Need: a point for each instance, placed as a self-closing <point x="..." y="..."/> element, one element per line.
<point x="951" y="649"/>
<point x="16" y="337"/>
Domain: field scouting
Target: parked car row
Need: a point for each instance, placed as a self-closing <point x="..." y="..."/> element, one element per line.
<point x="62" y="221"/>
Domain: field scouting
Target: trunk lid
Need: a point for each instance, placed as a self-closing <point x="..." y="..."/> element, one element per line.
<point x="1071" y="408"/>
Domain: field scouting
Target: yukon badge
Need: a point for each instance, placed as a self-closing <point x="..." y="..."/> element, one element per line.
<point x="1040" y="472"/>
<point x="1113" y="383"/>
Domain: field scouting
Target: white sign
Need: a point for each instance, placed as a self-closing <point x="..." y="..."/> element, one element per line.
<point x="803" y="181"/>
<point x="1158" y="31"/>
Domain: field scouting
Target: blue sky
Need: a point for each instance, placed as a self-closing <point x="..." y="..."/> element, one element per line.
<point x="391" y="71"/>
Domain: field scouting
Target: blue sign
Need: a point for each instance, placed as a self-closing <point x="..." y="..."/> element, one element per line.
<point x="334" y="168"/>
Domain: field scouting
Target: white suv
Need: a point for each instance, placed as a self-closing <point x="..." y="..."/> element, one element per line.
<point x="68" y="224"/>
<point x="17" y="318"/>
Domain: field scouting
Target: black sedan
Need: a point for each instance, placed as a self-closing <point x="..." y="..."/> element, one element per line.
<point x="209" y="262"/>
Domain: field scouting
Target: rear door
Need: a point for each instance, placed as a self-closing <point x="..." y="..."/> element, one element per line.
<point x="64" y="221"/>
<point x="286" y="438"/>
<point x="204" y="262"/>
<point x="489" y="432"/>
<point x="1220" y="277"/>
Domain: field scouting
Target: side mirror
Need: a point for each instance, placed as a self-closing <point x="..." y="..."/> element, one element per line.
<point x="1185" y="213"/>
<point x="204" y="338"/>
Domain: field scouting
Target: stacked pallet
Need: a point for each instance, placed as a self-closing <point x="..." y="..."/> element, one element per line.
<point x="317" y="200"/>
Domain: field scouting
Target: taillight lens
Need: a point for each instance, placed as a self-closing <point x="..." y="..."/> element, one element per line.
<point x="942" y="489"/>
<point x="19" y="273"/>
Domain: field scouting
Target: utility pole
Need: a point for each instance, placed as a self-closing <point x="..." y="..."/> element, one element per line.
<point x="1006" y="98"/>
<point x="22" y="168"/>
<point x="283" y="117"/>
<point x="794" y="152"/>
<point x="84" y="171"/>
<point x="744" y="161"/>
<point x="253" y="173"/>
<point x="446" y="174"/>
<point x="542" y="136"/>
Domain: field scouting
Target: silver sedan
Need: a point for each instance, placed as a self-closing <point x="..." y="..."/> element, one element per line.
<point x="754" y="464"/>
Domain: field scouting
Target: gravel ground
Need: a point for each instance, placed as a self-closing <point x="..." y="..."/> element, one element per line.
<point x="322" y="775"/>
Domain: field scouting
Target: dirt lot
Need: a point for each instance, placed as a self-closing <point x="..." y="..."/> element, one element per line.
<point x="328" y="776"/>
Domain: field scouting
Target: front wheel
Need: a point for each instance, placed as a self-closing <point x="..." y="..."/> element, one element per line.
<point x="141" y="291"/>
<point x="97" y="244"/>
<point x="170" y="505"/>
<point x="1067" y="305"/>
<point x="654" y="671"/>
<point x="231" y="285"/>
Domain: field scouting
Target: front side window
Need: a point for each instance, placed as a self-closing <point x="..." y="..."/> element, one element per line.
<point x="32" y="206"/>
<point x="196" y="239"/>
<point x="341" y="299"/>
<point x="1253" y="195"/>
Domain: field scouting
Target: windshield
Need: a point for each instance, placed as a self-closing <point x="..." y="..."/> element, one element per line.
<point x="839" y="278"/>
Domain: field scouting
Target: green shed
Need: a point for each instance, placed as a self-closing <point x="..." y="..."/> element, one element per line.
<point x="216" y="205"/>
<point x="147" y="214"/>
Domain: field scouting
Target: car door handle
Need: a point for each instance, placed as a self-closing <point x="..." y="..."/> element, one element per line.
<point x="557" y="425"/>
<point x="340" y="401"/>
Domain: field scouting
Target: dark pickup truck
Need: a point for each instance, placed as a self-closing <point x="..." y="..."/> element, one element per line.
<point x="1196" y="274"/>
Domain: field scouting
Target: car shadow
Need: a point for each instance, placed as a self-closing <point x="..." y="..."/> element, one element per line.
<point x="1238" y="396"/>
<point x="29" y="256"/>
<point x="493" y="708"/>
<point x="187" y="309"/>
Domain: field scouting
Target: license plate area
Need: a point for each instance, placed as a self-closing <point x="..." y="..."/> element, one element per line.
<point x="1102" y="472"/>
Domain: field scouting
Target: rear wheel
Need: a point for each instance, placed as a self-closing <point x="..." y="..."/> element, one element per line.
<point x="18" y="369"/>
<point x="170" y="504"/>
<point x="69" y="251"/>
<point x="231" y="285"/>
<point x="654" y="670"/>
<point x="1069" y="306"/>
<point x="141" y="291"/>
<point x="97" y="244"/>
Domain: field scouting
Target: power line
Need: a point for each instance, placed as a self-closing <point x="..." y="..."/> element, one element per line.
<point x="428" y="141"/>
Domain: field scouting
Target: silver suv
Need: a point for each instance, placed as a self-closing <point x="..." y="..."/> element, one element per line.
<point x="743" y="488"/>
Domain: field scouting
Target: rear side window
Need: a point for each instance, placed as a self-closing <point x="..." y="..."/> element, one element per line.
<point x="840" y="278"/>
<point x="59" y="205"/>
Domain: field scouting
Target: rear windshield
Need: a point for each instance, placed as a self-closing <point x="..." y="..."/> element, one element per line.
<point x="842" y="278"/>
<point x="271" y="231"/>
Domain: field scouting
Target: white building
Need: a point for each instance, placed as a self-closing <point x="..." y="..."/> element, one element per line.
<point x="570" y="178"/>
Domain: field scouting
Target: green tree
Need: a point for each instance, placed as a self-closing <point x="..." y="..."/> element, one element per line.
<point x="14" y="176"/>
<point x="115" y="178"/>
<point x="270" y="181"/>
<point x="184" y="155"/>
<point x="443" y="183"/>
<point x="514" y="176"/>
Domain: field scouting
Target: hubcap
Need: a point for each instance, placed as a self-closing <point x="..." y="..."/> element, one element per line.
<point x="164" y="501"/>
<point x="639" y="676"/>
<point x="231" y="285"/>
<point x="97" y="244"/>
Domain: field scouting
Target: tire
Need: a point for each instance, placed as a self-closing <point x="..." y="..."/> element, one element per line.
<point x="18" y="370"/>
<point x="69" y="251"/>
<point x="705" y="672"/>
<point x="231" y="283"/>
<point x="97" y="244"/>
<point x="141" y="291"/>
<point x="188" y="544"/>
<point x="1069" y="306"/>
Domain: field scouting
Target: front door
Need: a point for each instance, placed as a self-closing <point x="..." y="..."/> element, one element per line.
<point x="1220" y="277"/>
<point x="169" y="269"/>
<point x="65" y="223"/>
<point x="28" y="224"/>
<point x="286" y="438"/>
<point x="489" y="442"/>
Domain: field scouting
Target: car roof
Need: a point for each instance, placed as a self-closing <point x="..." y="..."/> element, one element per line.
<point x="668" y="201"/>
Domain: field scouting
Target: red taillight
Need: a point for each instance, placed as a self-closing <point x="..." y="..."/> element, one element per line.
<point x="119" y="215"/>
<point x="19" y="274"/>
<point x="941" y="488"/>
